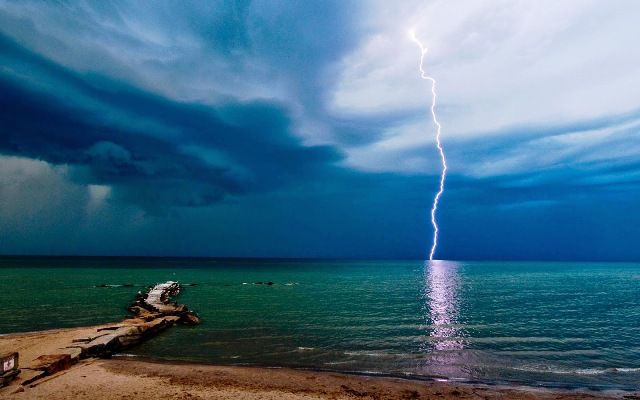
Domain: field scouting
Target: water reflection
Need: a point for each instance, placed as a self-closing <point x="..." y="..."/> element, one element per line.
<point x="441" y="292"/>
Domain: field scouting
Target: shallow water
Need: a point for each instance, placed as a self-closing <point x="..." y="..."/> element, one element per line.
<point x="574" y="324"/>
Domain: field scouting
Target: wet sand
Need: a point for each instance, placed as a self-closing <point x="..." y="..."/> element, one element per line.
<point x="98" y="379"/>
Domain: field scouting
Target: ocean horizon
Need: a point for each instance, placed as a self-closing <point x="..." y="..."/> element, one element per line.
<point x="557" y="324"/>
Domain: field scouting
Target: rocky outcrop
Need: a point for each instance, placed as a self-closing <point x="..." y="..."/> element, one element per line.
<point x="153" y="312"/>
<point x="157" y="302"/>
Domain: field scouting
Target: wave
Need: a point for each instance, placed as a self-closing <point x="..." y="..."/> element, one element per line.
<point x="579" y="371"/>
<point x="371" y="354"/>
<point x="117" y="285"/>
<point x="339" y="362"/>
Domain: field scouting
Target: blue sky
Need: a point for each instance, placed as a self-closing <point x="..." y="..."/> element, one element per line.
<point x="301" y="129"/>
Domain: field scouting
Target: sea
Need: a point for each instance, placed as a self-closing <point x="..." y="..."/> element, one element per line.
<point x="561" y="324"/>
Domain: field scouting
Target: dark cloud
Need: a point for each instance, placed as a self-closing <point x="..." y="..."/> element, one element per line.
<point x="255" y="147"/>
<point x="92" y="103"/>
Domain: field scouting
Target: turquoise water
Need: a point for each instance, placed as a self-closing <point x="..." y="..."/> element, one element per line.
<point x="575" y="324"/>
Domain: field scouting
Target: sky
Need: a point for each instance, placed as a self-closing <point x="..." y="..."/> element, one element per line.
<point x="302" y="129"/>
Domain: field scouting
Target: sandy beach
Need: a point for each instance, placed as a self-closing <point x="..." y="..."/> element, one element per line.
<point x="119" y="378"/>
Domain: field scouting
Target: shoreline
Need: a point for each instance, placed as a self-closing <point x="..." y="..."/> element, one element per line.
<point x="79" y="330"/>
<point x="545" y="385"/>
<point x="99" y="379"/>
<point x="142" y="377"/>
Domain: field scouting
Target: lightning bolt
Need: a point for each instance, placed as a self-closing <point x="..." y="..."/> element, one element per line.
<point x="443" y="174"/>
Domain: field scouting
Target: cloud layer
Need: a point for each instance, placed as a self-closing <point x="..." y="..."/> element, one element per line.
<point x="255" y="128"/>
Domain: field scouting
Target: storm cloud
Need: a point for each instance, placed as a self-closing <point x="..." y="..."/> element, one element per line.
<point x="301" y="129"/>
<point x="149" y="148"/>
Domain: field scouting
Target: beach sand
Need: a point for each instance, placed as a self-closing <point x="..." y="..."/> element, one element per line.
<point x="118" y="378"/>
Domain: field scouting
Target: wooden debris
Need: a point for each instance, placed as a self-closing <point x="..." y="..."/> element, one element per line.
<point x="29" y="376"/>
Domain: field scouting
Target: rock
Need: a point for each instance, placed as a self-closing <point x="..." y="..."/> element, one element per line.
<point x="105" y="340"/>
<point x="156" y="304"/>
<point x="109" y="328"/>
<point x="136" y="321"/>
<point x="82" y="347"/>
<point x="153" y="313"/>
<point x="73" y="352"/>
<point x="153" y="326"/>
<point x="172" y="319"/>
<point x="102" y="346"/>
<point x="190" y="319"/>
<point x="129" y="335"/>
<point x="142" y="312"/>
<point x="130" y="330"/>
<point x="129" y="340"/>
<point x="52" y="363"/>
<point x="180" y="308"/>
<point x="87" y="339"/>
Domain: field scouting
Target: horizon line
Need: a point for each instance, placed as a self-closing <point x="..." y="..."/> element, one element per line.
<point x="312" y="258"/>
